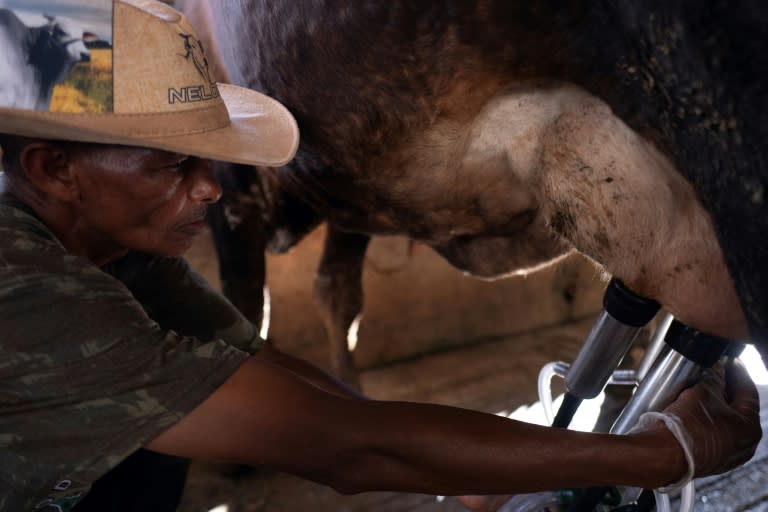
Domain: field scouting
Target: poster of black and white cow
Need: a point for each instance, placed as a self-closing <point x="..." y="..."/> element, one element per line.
<point x="40" y="44"/>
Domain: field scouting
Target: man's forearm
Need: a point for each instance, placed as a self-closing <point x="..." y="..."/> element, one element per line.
<point x="266" y="415"/>
<point x="503" y="455"/>
<point x="308" y="372"/>
<point x="536" y="458"/>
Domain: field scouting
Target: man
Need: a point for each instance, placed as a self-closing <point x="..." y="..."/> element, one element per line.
<point x="117" y="353"/>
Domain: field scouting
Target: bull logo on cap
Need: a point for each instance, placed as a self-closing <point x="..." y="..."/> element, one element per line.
<point x="194" y="52"/>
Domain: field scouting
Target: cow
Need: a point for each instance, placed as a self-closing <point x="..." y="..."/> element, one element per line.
<point x="505" y="134"/>
<point x="37" y="58"/>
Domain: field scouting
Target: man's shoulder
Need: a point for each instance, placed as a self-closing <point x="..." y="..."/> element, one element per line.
<point x="21" y="229"/>
<point x="34" y="262"/>
<point x="137" y="269"/>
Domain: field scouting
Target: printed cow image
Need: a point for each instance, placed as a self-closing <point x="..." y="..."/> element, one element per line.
<point x="37" y="58"/>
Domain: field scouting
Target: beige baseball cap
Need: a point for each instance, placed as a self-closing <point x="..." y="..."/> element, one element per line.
<point x="146" y="84"/>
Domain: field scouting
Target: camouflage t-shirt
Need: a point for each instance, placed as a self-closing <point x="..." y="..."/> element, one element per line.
<point x="97" y="361"/>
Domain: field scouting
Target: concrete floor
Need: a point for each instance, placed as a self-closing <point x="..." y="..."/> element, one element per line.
<point x="498" y="375"/>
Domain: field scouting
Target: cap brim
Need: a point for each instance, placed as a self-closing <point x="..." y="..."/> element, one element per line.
<point x="261" y="130"/>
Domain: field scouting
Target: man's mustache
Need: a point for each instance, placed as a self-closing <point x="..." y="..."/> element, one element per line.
<point x="196" y="215"/>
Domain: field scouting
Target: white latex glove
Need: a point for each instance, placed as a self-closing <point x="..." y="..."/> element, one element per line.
<point x="716" y="422"/>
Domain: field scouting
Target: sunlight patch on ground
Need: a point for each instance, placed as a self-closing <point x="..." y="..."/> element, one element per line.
<point x="266" y="312"/>
<point x="583" y="421"/>
<point x="754" y="364"/>
<point x="352" y="333"/>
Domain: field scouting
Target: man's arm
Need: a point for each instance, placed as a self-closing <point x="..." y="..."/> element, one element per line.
<point x="178" y="298"/>
<point x="265" y="414"/>
<point x="308" y="372"/>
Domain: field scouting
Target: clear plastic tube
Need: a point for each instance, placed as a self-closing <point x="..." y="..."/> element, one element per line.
<point x="662" y="502"/>
<point x="687" y="497"/>
<point x="548" y="371"/>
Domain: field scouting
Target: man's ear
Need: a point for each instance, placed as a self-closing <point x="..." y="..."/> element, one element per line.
<point x="48" y="167"/>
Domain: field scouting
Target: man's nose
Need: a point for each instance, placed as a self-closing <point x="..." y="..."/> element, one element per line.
<point x="204" y="187"/>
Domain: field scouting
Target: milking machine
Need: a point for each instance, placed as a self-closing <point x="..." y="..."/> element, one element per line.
<point x="674" y="360"/>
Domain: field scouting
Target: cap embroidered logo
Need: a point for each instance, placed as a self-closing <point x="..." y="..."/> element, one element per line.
<point x="208" y="90"/>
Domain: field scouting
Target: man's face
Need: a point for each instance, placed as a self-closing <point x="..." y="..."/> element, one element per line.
<point x="142" y="199"/>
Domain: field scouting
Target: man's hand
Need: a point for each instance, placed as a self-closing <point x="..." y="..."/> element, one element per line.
<point x="721" y="417"/>
<point x="716" y="421"/>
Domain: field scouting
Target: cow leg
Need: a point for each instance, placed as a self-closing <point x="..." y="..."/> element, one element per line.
<point x="241" y="240"/>
<point x="339" y="295"/>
